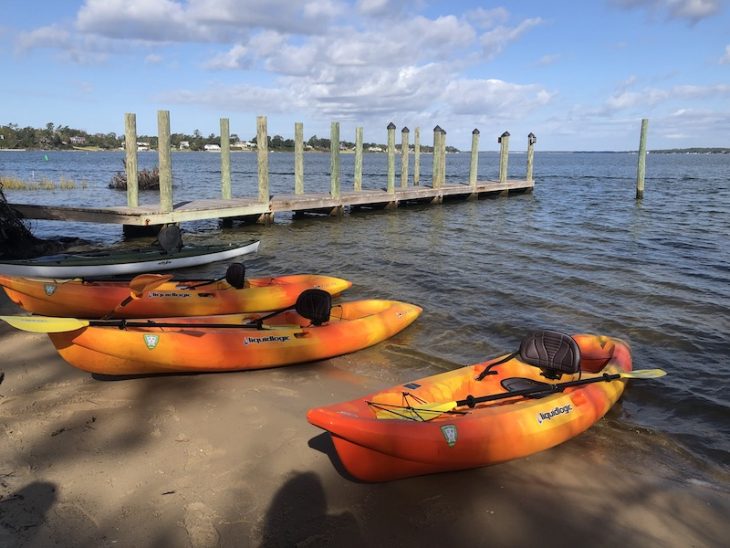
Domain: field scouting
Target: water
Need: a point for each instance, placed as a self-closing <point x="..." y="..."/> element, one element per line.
<point x="580" y="254"/>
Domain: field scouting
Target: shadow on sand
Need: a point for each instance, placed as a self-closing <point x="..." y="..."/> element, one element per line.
<point x="23" y="511"/>
<point x="298" y="516"/>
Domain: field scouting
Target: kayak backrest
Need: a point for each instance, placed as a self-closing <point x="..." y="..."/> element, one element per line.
<point x="314" y="305"/>
<point x="553" y="352"/>
<point x="170" y="238"/>
<point x="236" y="274"/>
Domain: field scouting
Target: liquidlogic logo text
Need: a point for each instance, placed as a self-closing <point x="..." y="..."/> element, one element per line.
<point x="553" y="413"/>
<point x="270" y="338"/>
<point x="174" y="294"/>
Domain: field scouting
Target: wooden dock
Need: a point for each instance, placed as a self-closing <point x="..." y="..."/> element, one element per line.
<point x="137" y="220"/>
<point x="249" y="209"/>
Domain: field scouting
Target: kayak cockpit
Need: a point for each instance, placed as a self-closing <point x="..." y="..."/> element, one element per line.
<point x="544" y="361"/>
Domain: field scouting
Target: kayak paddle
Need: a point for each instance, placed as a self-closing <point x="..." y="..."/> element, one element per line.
<point x="46" y="324"/>
<point x="428" y="411"/>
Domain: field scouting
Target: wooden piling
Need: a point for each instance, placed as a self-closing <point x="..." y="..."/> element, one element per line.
<point x="262" y="153"/>
<point x="531" y="140"/>
<point x="358" y="159"/>
<point x="473" y="166"/>
<point x="417" y="157"/>
<point x="641" y="167"/>
<point x="225" y="159"/>
<point x="391" y="158"/>
<point x="130" y="153"/>
<point x="404" y="153"/>
<point x="335" y="159"/>
<point x="164" y="160"/>
<point x="436" y="169"/>
<point x="503" y="140"/>
<point x="298" y="158"/>
<point x="442" y="163"/>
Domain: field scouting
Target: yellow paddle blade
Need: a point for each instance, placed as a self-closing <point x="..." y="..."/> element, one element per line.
<point x="44" y="324"/>
<point x="644" y="374"/>
<point x="147" y="282"/>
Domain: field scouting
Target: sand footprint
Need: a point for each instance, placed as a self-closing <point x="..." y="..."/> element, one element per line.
<point x="199" y="525"/>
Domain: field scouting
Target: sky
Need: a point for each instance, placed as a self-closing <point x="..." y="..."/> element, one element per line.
<point x="580" y="75"/>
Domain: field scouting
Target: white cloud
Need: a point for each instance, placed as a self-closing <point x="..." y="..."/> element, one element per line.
<point x="203" y="20"/>
<point x="690" y="10"/>
<point x="549" y="59"/>
<point x="487" y="19"/>
<point x="76" y="49"/>
<point x="281" y="15"/>
<point x="372" y="7"/>
<point x="237" y="57"/>
<point x="625" y="99"/>
<point x="323" y="8"/>
<point x="495" y="99"/>
<point x="244" y="98"/>
<point x="494" y="41"/>
<point x="693" y="10"/>
<point x="694" y="126"/>
<point x="725" y="59"/>
<point x="51" y="36"/>
<point x="383" y="8"/>
<point x="156" y="21"/>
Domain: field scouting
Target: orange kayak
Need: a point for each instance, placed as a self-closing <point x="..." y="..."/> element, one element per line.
<point x="96" y="299"/>
<point x="222" y="343"/>
<point x="526" y="402"/>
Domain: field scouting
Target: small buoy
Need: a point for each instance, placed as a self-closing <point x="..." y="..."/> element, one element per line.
<point x="45" y="157"/>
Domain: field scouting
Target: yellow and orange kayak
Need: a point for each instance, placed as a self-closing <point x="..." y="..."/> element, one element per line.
<point x="97" y="299"/>
<point x="554" y="388"/>
<point x="220" y="343"/>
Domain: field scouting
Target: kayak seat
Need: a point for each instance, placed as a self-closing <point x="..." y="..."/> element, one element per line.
<point x="314" y="305"/>
<point x="169" y="238"/>
<point x="514" y="384"/>
<point x="236" y="275"/>
<point x="553" y="352"/>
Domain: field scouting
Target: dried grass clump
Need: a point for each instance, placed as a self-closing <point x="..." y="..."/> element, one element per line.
<point x="146" y="180"/>
<point x="13" y="183"/>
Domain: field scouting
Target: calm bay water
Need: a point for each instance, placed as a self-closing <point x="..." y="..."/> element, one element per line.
<point x="579" y="254"/>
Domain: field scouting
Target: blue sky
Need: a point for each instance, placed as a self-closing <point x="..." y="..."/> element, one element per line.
<point x="579" y="74"/>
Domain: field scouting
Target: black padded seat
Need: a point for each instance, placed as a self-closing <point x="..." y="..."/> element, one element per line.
<point x="314" y="305"/>
<point x="236" y="275"/>
<point x="553" y="352"/>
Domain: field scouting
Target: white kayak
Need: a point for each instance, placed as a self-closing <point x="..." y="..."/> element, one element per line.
<point x="114" y="263"/>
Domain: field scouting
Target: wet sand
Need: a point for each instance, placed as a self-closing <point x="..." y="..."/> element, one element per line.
<point x="230" y="460"/>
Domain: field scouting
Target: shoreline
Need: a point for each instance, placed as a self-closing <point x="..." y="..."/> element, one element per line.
<point x="229" y="459"/>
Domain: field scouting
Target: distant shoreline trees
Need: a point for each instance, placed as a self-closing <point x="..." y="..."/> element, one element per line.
<point x="58" y="137"/>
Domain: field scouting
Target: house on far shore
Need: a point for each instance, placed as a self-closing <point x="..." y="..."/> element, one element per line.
<point x="212" y="148"/>
<point x="184" y="145"/>
<point x="243" y="145"/>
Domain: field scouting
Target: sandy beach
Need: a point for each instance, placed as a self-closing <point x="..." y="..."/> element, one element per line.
<point x="230" y="460"/>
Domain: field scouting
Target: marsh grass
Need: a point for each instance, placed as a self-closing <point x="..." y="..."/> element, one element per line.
<point x="13" y="183"/>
